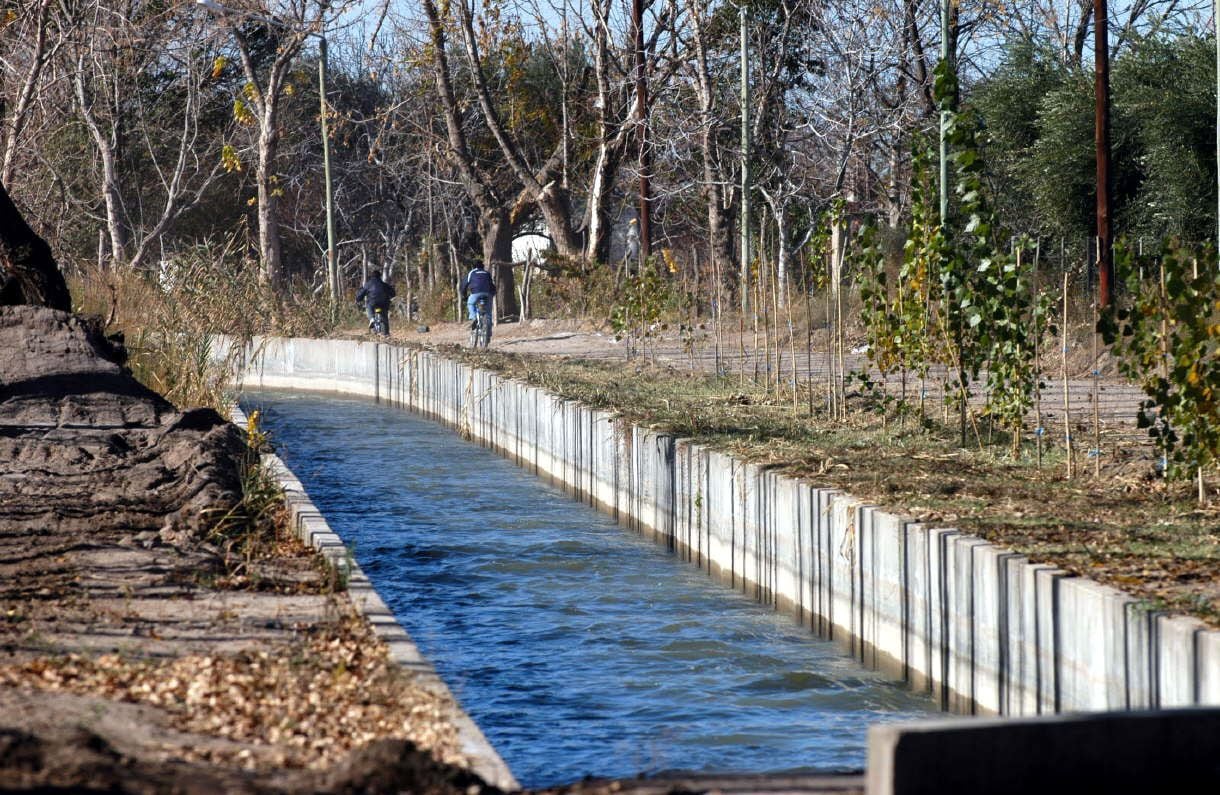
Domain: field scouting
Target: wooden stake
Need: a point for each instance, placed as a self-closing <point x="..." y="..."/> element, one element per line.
<point x="1038" y="431"/>
<point x="1067" y="410"/>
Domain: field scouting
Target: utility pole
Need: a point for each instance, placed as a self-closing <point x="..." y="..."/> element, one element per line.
<point x="745" y="163"/>
<point x="332" y="266"/>
<point x="641" y="115"/>
<point x="1216" y="31"/>
<point x="1101" y="140"/>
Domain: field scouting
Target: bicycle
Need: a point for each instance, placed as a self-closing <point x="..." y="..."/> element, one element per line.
<point x="379" y="323"/>
<point x="480" y="333"/>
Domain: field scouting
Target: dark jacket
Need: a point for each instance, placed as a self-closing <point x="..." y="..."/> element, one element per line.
<point x="377" y="292"/>
<point x="478" y="281"/>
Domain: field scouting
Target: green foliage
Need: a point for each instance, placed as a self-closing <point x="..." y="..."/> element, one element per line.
<point x="1039" y="138"/>
<point x="899" y="319"/>
<point x="996" y="321"/>
<point x="641" y="308"/>
<point x="963" y="299"/>
<point x="1166" y="91"/>
<point x="1167" y="339"/>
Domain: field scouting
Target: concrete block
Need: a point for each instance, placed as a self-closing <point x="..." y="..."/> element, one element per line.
<point x="883" y="560"/>
<point x="787" y="564"/>
<point x="1176" y="644"/>
<point x="917" y="656"/>
<point x="991" y="653"/>
<point x="1017" y="680"/>
<point x="824" y="563"/>
<point x="843" y="554"/>
<point x="962" y="626"/>
<point x="1046" y="624"/>
<point x="1138" y="629"/>
<point x="940" y="610"/>
<point x="1092" y="646"/>
<point x="1208" y="645"/>
<point x="1174" y="751"/>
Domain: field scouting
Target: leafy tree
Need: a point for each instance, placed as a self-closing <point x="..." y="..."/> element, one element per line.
<point x="1038" y="114"/>
<point x="1167" y="339"/>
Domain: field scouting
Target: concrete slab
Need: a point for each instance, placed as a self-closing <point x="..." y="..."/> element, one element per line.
<point x="1171" y="751"/>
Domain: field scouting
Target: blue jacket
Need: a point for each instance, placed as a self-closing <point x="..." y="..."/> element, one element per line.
<point x="377" y="292"/>
<point x="478" y="281"/>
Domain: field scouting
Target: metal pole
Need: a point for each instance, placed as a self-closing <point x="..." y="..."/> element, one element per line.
<point x="745" y="163"/>
<point x="1101" y="89"/>
<point x="332" y="270"/>
<point x="1216" y="31"/>
<point x="944" y="116"/>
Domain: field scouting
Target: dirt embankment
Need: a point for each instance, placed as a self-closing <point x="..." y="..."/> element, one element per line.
<point x="137" y="652"/>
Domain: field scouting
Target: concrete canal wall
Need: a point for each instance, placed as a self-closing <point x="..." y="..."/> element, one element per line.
<point x="311" y="527"/>
<point x="980" y="627"/>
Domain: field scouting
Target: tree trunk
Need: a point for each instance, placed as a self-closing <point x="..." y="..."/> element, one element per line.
<point x="31" y="275"/>
<point x="611" y="143"/>
<point x="269" y="246"/>
<point x="107" y="146"/>
<point x="26" y="95"/>
<point x="497" y="232"/>
<point x="495" y="223"/>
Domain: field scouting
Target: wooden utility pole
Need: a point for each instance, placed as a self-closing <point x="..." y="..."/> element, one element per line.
<point x="641" y="115"/>
<point x="1101" y="139"/>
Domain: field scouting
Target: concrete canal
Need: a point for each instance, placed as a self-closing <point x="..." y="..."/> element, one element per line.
<point x="580" y="649"/>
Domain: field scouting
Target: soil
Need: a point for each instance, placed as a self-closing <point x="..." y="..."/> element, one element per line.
<point x="139" y="652"/>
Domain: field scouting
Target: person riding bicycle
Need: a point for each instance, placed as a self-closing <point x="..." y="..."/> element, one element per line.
<point x="376" y="294"/>
<point x="477" y="284"/>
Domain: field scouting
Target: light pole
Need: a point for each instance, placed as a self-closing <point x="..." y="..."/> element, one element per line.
<point x="332" y="271"/>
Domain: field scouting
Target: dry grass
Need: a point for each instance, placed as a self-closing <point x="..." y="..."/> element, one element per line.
<point x="170" y="323"/>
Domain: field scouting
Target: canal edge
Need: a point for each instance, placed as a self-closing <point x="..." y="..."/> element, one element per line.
<point x="982" y="629"/>
<point x="312" y="528"/>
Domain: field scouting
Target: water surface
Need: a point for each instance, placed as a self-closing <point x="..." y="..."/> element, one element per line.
<point x="578" y="647"/>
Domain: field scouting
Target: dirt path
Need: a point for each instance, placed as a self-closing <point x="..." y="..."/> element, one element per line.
<point x="739" y="354"/>
<point x="145" y="648"/>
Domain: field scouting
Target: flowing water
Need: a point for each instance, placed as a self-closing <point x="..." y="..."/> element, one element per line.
<point x="578" y="647"/>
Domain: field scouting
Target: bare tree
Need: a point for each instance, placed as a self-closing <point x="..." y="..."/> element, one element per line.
<point x="136" y="80"/>
<point x="40" y="48"/>
<point x="489" y="199"/>
<point x="282" y="29"/>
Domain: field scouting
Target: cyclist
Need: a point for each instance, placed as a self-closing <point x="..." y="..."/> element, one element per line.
<point x="477" y="284"/>
<point x="376" y="294"/>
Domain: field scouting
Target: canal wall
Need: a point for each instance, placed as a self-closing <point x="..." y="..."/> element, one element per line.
<point x="980" y="627"/>
<point x="312" y="528"/>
